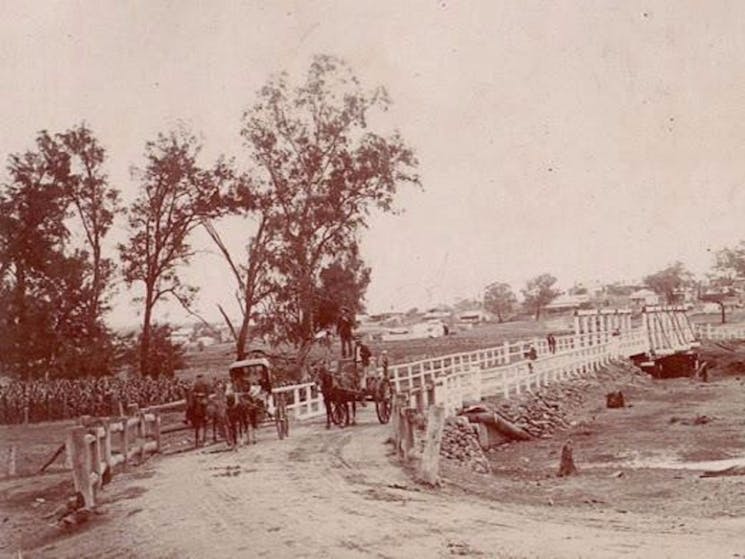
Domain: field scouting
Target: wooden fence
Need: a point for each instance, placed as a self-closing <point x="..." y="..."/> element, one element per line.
<point x="99" y="445"/>
<point x="405" y="421"/>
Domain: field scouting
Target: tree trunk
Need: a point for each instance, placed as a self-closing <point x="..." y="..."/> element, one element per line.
<point x="241" y="341"/>
<point x="146" y="331"/>
<point x="243" y="338"/>
<point x="95" y="301"/>
<point x="22" y="345"/>
<point x="721" y="308"/>
<point x="500" y="424"/>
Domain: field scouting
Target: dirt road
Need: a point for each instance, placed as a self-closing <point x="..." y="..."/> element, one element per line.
<point x="337" y="494"/>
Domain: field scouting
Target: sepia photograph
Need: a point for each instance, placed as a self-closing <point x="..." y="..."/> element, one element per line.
<point x="372" y="279"/>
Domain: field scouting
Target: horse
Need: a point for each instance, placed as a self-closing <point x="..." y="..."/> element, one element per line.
<point x="344" y="397"/>
<point x="197" y="414"/>
<point x="242" y="416"/>
<point x="205" y="411"/>
<point x="336" y="396"/>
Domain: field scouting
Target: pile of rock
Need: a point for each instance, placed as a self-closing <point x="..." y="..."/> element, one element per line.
<point x="460" y="444"/>
<point x="543" y="412"/>
<point x="539" y="414"/>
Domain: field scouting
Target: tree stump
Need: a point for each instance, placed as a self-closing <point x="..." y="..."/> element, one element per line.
<point x="614" y="400"/>
<point x="566" y="466"/>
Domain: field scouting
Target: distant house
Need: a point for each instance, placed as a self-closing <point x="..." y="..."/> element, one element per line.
<point x="393" y="320"/>
<point x="710" y="308"/>
<point x="438" y="313"/>
<point x="643" y="297"/>
<point x="430" y="329"/>
<point x="181" y="336"/>
<point x="206" y="341"/>
<point x="475" y="316"/>
<point x="567" y="303"/>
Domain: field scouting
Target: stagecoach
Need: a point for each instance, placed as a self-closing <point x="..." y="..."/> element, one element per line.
<point x="252" y="377"/>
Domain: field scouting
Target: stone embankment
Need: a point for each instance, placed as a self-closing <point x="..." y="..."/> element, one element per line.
<point x="549" y="409"/>
<point x="540" y="414"/>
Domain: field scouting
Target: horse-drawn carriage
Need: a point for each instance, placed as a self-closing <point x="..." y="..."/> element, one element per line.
<point x="251" y="380"/>
<point x="238" y="408"/>
<point x="345" y="389"/>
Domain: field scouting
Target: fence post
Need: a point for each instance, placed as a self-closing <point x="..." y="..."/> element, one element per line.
<point x="125" y="442"/>
<point x="81" y="464"/>
<point x="431" y="393"/>
<point x="107" y="454"/>
<point x="396" y="419"/>
<point x="430" y="466"/>
<point x="12" y="461"/>
<point x="95" y="450"/>
<point x="401" y="434"/>
<point x="68" y="453"/>
<point x="419" y="396"/>
<point x="142" y="434"/>
<point x="157" y="432"/>
<point x="408" y="433"/>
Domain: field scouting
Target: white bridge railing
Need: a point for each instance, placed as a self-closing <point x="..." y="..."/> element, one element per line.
<point x="721" y="331"/>
<point x="504" y="369"/>
<point x="454" y="379"/>
<point x="303" y="401"/>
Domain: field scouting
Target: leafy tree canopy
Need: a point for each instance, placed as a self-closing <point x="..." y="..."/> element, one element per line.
<point x="499" y="300"/>
<point x="539" y="292"/>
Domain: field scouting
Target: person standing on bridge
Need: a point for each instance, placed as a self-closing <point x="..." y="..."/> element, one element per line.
<point x="551" y="343"/>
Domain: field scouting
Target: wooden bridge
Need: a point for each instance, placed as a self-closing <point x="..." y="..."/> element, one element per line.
<point x="599" y="336"/>
<point x="448" y="382"/>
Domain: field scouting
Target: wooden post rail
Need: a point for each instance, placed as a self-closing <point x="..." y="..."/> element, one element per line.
<point x="93" y="456"/>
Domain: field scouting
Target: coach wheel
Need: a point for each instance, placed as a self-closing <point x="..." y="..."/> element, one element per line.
<point x="384" y="403"/>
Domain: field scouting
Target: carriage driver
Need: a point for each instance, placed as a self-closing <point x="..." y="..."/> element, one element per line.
<point x="362" y="356"/>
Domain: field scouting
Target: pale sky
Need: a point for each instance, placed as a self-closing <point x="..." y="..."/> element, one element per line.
<point x="592" y="140"/>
